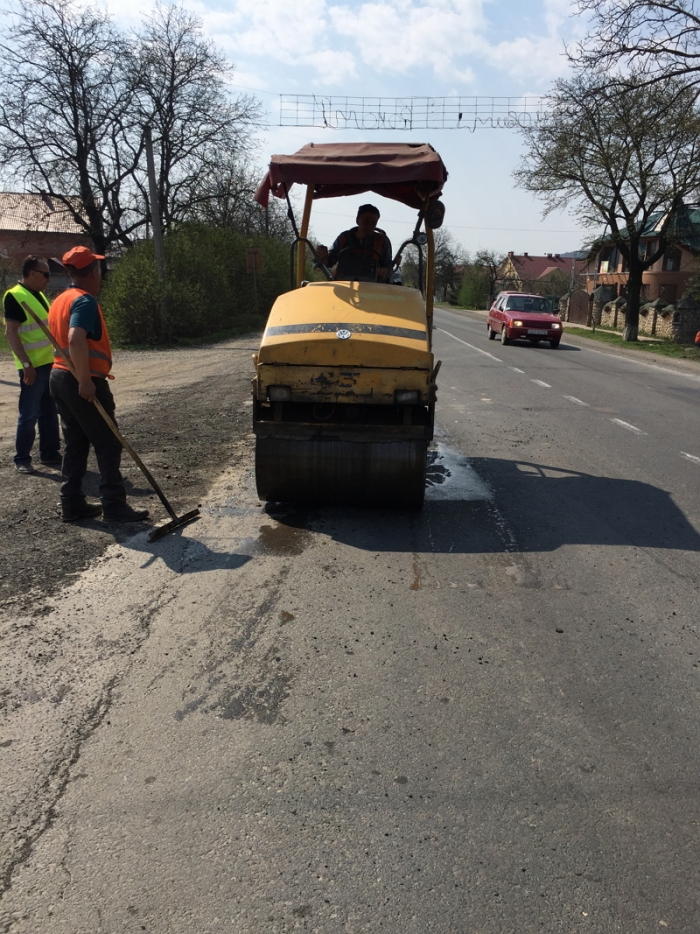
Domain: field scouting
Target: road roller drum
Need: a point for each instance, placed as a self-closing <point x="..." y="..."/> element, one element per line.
<point x="374" y="473"/>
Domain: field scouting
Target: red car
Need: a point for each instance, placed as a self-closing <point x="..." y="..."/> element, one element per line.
<point x="517" y="315"/>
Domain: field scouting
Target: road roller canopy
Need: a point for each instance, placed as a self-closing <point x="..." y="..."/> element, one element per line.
<point x="405" y="172"/>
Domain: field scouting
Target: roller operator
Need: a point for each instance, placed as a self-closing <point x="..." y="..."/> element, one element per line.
<point x="362" y="254"/>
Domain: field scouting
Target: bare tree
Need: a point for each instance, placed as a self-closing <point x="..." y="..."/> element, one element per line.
<point x="617" y="158"/>
<point x="67" y="114"/>
<point x="447" y="256"/>
<point x="201" y="133"/>
<point x="490" y="261"/>
<point x="658" y="39"/>
<point x="448" y="253"/>
<point x="225" y="199"/>
<point x="76" y="93"/>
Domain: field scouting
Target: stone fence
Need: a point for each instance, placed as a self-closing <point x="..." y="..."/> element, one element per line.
<point x="679" y="323"/>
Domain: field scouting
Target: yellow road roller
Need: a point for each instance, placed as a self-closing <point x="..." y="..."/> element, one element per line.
<point x="344" y="389"/>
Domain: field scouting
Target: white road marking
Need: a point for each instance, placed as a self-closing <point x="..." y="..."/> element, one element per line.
<point x="691" y="457"/>
<point x="577" y="401"/>
<point x="478" y="349"/>
<point x="515" y="369"/>
<point x="618" y="421"/>
<point x="540" y="383"/>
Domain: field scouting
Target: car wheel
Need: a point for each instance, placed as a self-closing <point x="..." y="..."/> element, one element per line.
<point x="504" y="335"/>
<point x="492" y="333"/>
<point x="554" y="344"/>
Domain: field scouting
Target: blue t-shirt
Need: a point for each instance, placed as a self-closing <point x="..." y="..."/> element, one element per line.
<point x="85" y="314"/>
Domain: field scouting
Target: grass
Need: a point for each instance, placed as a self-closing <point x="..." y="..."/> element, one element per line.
<point x="660" y="346"/>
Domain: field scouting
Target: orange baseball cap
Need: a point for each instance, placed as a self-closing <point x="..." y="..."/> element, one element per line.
<point x="80" y="257"/>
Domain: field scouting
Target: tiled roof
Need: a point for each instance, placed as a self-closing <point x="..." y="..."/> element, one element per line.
<point x="24" y="211"/>
<point x="529" y="267"/>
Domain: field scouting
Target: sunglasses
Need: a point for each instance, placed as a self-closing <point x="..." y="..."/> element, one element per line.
<point x="46" y="275"/>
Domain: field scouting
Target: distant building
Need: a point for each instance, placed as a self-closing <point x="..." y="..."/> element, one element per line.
<point x="33" y="223"/>
<point x="543" y="275"/>
<point x="668" y="278"/>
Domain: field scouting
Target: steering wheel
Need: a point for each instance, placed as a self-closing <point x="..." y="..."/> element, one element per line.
<point x="361" y="249"/>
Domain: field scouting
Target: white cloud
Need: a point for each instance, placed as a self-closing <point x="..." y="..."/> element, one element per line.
<point x="274" y="28"/>
<point x="341" y="41"/>
<point x="539" y="57"/>
<point x="401" y="35"/>
<point x="333" y="67"/>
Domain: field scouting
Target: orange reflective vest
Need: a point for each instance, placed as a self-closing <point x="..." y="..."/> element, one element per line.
<point x="100" y="352"/>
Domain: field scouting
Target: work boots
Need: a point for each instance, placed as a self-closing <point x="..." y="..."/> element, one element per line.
<point x="123" y="512"/>
<point x="75" y="510"/>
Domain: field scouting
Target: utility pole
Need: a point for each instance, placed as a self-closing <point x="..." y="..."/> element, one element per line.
<point x="155" y="220"/>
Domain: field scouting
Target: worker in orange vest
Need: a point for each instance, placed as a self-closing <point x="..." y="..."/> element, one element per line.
<point x="77" y="323"/>
<point x="697" y="338"/>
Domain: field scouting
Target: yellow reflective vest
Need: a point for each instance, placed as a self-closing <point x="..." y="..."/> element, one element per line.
<point x="36" y="344"/>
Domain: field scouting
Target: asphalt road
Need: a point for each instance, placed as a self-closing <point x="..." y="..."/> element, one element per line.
<point x="481" y="720"/>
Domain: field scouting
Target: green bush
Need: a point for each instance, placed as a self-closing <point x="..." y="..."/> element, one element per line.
<point x="474" y="290"/>
<point x="208" y="289"/>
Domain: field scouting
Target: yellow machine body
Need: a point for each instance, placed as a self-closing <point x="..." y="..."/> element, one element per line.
<point x="334" y="366"/>
<point x="382" y="348"/>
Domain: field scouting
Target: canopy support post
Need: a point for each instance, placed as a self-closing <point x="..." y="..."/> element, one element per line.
<point x="301" y="247"/>
<point x="429" y="284"/>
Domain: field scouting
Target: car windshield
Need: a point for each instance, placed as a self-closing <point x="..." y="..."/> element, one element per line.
<point x="527" y="303"/>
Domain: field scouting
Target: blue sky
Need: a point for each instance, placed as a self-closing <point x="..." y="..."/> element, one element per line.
<point x="402" y="48"/>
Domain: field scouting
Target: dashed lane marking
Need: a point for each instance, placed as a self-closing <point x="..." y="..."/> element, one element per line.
<point x="539" y="382"/>
<point x="478" y="349"/>
<point x="577" y="401"/>
<point x="691" y="457"/>
<point x="516" y="370"/>
<point x="618" y="421"/>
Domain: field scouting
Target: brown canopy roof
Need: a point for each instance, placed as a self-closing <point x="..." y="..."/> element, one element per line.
<point x="402" y="171"/>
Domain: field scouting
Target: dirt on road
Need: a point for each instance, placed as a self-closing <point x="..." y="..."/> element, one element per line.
<point x="186" y="412"/>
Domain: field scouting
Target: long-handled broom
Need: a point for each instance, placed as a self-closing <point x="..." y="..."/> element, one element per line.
<point x="175" y="521"/>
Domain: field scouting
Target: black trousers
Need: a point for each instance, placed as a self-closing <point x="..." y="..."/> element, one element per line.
<point x="83" y="426"/>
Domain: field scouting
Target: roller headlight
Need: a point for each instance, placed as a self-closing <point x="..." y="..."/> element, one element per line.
<point x="406" y="397"/>
<point x="279" y="393"/>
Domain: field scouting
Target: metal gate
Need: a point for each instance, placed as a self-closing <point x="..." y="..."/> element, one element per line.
<point x="579" y="307"/>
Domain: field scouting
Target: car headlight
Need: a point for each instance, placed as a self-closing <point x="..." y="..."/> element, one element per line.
<point x="279" y="393"/>
<point x="516" y="324"/>
<point x="406" y="397"/>
<point x="555" y="326"/>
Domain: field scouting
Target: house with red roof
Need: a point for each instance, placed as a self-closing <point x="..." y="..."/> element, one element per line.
<point x="544" y="275"/>
<point x="35" y="223"/>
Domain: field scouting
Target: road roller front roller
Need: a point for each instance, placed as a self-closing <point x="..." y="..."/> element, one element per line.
<point x="344" y="389"/>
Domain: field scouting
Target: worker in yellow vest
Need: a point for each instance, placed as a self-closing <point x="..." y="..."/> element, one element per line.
<point x="33" y="356"/>
<point x="78" y="326"/>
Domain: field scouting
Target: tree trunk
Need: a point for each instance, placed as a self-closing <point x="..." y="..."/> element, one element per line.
<point x="634" y="291"/>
